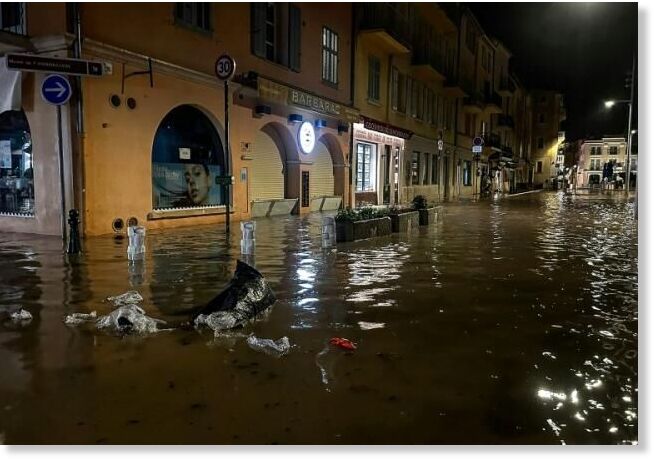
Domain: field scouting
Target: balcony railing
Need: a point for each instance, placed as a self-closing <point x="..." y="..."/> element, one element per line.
<point x="12" y="18"/>
<point x="424" y="55"/>
<point x="385" y="16"/>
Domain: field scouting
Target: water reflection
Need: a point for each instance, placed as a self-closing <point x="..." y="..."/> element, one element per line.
<point x="511" y="321"/>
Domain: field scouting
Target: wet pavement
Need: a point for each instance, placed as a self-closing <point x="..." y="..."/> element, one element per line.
<point x="510" y="321"/>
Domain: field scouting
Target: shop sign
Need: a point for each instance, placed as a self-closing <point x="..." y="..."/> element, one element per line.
<point x="184" y="153"/>
<point x="306" y="137"/>
<point x="300" y="98"/>
<point x="375" y="136"/>
<point x="385" y="128"/>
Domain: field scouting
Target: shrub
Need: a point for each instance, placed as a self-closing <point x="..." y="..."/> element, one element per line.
<point x="360" y="214"/>
<point x="419" y="202"/>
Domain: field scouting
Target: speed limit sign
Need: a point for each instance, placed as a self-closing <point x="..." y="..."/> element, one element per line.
<point x="225" y="67"/>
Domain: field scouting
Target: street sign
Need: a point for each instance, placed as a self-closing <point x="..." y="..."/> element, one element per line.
<point x="33" y="63"/>
<point x="56" y="90"/>
<point x="225" y="67"/>
<point x="478" y="141"/>
<point x="440" y="144"/>
<point x="477" y="149"/>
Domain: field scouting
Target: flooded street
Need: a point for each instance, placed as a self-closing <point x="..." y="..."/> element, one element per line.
<point x="510" y="321"/>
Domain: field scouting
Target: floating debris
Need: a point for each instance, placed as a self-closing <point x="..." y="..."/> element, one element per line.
<point x="268" y="346"/>
<point x="130" y="297"/>
<point x="78" y="317"/>
<point x="370" y="325"/>
<point x="21" y="316"/>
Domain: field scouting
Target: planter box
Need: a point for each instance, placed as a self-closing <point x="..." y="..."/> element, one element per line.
<point x="348" y="231"/>
<point x="404" y="222"/>
<point x="428" y="216"/>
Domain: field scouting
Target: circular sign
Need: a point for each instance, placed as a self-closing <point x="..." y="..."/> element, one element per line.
<point x="225" y="67"/>
<point x="478" y="141"/>
<point x="306" y="137"/>
<point x="56" y="89"/>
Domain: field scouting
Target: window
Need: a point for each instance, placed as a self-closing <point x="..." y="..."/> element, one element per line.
<point x="541" y="118"/>
<point x="196" y="15"/>
<point x="374" y="71"/>
<point x="366" y="167"/>
<point x="539" y="167"/>
<point x="435" y="173"/>
<point x="415" y="168"/>
<point x="415" y="97"/>
<point x="424" y="171"/>
<point x="467" y="173"/>
<point x="329" y="56"/>
<point x="16" y="165"/>
<point x="187" y="156"/>
<point x="471" y="37"/>
<point x="12" y="17"/>
<point x="540" y="143"/>
<point x="395" y="88"/>
<point x="596" y="150"/>
<point x="275" y="33"/>
<point x="613" y="150"/>
<point x="409" y="95"/>
<point x="401" y="88"/>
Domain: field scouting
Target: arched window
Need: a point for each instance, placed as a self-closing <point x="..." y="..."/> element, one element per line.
<point x="16" y="165"/>
<point x="187" y="156"/>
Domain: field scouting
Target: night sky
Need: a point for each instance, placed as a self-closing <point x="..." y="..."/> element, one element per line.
<point x="583" y="49"/>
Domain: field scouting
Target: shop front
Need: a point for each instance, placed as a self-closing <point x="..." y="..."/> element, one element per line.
<point x="423" y="169"/>
<point x="295" y="148"/>
<point x="379" y="150"/>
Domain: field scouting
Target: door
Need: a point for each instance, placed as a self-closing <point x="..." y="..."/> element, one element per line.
<point x="446" y="176"/>
<point x="385" y="174"/>
<point x="396" y="175"/>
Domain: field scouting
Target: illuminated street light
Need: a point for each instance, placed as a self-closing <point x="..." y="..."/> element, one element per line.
<point x="608" y="104"/>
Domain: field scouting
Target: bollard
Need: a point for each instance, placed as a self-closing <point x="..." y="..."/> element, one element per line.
<point x="74" y="246"/>
<point x="136" y="248"/>
<point x="247" y="237"/>
<point x="328" y="231"/>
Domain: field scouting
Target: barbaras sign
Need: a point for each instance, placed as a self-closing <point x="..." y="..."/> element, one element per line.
<point x="300" y="98"/>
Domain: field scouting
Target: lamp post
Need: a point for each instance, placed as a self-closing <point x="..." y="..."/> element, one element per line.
<point x="610" y="103"/>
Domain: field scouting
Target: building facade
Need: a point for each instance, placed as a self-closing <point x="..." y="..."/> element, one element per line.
<point x="595" y="157"/>
<point x="151" y="147"/>
<point x="548" y="112"/>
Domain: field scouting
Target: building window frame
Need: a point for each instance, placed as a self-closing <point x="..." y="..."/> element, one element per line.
<point x="330" y="52"/>
<point x="374" y="79"/>
<point x="196" y="16"/>
<point x="539" y="167"/>
<point x="366" y="167"/>
<point x="541" y="142"/>
<point x="467" y="173"/>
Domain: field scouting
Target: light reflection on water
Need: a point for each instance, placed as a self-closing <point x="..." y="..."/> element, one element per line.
<point x="509" y="321"/>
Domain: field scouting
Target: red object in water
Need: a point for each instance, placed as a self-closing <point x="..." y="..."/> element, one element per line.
<point x="343" y="343"/>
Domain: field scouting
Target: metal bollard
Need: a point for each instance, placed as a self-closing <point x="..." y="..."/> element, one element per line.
<point x="328" y="231"/>
<point x="136" y="248"/>
<point x="74" y="246"/>
<point x="247" y="237"/>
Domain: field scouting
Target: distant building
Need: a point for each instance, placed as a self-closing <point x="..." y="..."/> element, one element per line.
<point x="596" y="153"/>
<point x="548" y="112"/>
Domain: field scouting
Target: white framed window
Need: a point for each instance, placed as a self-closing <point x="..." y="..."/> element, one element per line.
<point x="366" y="167"/>
<point x="329" y="56"/>
<point x="374" y="74"/>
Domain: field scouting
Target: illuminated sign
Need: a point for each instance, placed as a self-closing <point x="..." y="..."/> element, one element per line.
<point x="306" y="137"/>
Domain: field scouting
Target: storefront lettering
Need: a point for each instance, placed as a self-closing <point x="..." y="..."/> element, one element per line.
<point x="299" y="98"/>
<point x="387" y="129"/>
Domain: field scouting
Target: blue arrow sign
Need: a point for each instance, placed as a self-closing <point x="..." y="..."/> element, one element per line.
<point x="56" y="89"/>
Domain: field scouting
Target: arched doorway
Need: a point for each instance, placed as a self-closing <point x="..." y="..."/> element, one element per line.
<point x="16" y="165"/>
<point x="267" y="180"/>
<point x="322" y="172"/>
<point x="187" y="156"/>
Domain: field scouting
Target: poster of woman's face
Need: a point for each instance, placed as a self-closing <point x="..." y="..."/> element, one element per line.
<point x="177" y="185"/>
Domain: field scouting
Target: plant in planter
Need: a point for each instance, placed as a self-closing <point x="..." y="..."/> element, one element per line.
<point x="427" y="213"/>
<point x="403" y="218"/>
<point x="362" y="223"/>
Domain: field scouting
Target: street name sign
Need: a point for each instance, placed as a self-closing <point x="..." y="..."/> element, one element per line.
<point x="33" y="63"/>
<point x="476" y="149"/>
<point x="56" y="89"/>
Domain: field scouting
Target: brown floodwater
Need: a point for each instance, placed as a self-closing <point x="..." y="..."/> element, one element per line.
<point x="511" y="321"/>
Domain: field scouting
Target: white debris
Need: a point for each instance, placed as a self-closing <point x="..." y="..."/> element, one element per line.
<point x="127" y="319"/>
<point x="21" y="316"/>
<point x="78" y="317"/>
<point x="268" y="346"/>
<point x="131" y="297"/>
<point x="217" y="321"/>
<point x="371" y="325"/>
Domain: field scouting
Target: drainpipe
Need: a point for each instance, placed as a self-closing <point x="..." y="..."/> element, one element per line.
<point x="353" y="39"/>
<point x="81" y="189"/>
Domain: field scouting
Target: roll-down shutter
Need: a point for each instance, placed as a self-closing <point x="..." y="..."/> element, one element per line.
<point x="266" y="169"/>
<point x="322" y="173"/>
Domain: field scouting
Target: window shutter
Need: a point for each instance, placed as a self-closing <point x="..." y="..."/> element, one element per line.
<point x="294" y="35"/>
<point x="258" y="29"/>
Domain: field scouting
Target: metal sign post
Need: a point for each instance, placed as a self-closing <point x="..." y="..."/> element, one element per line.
<point x="225" y="68"/>
<point x="56" y="90"/>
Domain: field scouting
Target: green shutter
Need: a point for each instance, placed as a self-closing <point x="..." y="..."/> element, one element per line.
<point x="258" y="29"/>
<point x="294" y="35"/>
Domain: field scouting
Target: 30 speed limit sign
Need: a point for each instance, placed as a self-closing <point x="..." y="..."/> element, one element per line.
<point x="225" y="67"/>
